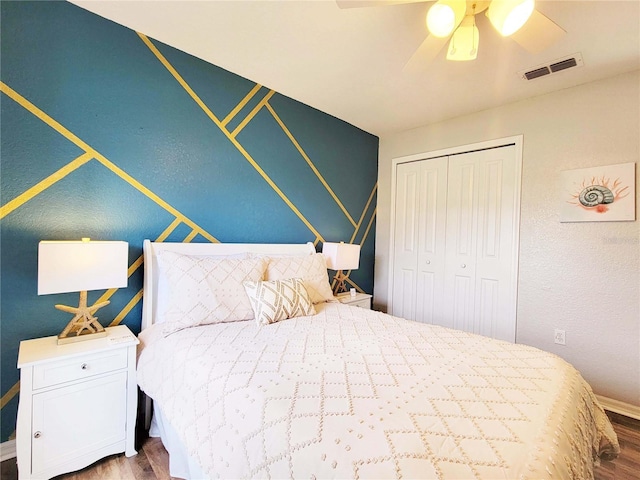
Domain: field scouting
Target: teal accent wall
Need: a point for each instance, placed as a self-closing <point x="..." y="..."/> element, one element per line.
<point x="100" y="139"/>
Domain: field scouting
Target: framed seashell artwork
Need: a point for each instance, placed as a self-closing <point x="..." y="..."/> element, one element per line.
<point x="599" y="194"/>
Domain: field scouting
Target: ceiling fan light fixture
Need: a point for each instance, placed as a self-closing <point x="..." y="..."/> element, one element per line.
<point x="464" y="42"/>
<point x="444" y="16"/>
<point x="508" y="16"/>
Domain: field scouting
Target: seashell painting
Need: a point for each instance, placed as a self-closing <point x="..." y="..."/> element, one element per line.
<point x="595" y="195"/>
<point x="598" y="194"/>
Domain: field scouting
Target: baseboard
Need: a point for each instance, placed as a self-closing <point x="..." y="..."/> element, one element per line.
<point x="617" y="406"/>
<point x="7" y="450"/>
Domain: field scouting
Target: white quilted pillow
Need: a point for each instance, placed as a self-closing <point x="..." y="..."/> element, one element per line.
<point x="312" y="269"/>
<point x="278" y="300"/>
<point x="203" y="290"/>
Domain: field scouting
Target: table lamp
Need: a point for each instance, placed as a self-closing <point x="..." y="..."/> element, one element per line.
<point x="341" y="256"/>
<point x="79" y="266"/>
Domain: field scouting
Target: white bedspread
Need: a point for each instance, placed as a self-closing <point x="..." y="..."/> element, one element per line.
<point x="353" y="393"/>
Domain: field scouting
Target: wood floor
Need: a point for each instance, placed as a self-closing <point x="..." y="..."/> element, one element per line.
<point x="627" y="465"/>
<point x="152" y="461"/>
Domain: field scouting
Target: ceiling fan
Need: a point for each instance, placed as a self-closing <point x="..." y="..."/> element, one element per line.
<point x="454" y="21"/>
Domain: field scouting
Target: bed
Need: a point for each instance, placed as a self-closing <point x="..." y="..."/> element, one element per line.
<point x="326" y="390"/>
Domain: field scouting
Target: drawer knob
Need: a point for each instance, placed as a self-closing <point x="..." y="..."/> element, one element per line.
<point x="84" y="366"/>
<point x="428" y="262"/>
<point x="463" y="265"/>
<point x="38" y="434"/>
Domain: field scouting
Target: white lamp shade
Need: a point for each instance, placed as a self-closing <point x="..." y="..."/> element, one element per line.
<point x="508" y="16"/>
<point x="341" y="256"/>
<point x="75" y="266"/>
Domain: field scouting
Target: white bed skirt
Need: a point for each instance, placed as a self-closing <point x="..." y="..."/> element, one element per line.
<point x="180" y="465"/>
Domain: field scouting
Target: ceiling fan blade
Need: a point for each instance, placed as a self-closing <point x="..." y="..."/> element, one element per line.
<point x="425" y="54"/>
<point x="538" y="33"/>
<point x="372" y="3"/>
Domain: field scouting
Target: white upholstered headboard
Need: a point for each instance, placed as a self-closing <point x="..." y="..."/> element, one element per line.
<point x="150" y="250"/>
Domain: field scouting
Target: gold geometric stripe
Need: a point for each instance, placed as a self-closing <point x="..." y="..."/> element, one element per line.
<point x="12" y="392"/>
<point x="132" y="268"/>
<point x="364" y="211"/>
<point x="241" y="105"/>
<point x="363" y="239"/>
<point x="167" y="231"/>
<point x="139" y="261"/>
<point x="89" y="154"/>
<point x="309" y="162"/>
<point x="279" y="192"/>
<point x="235" y="143"/>
<point x="137" y="264"/>
<point x="44" y="184"/>
<point x="101" y="158"/>
<point x="366" y="232"/>
<point x="180" y="80"/>
<point x="16" y="97"/>
<point x="253" y="113"/>
<point x="107" y="295"/>
<point x="190" y="237"/>
<point x="128" y="307"/>
<point x="129" y="179"/>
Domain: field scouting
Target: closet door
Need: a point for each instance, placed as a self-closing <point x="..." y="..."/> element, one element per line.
<point x="481" y="243"/>
<point x="418" y="274"/>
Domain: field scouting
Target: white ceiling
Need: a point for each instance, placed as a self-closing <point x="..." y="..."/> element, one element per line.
<point x="349" y="62"/>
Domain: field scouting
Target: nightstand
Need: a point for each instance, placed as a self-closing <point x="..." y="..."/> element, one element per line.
<point x="359" y="300"/>
<point x="77" y="402"/>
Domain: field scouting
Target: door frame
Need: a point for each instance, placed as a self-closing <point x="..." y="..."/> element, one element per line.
<point x="516" y="140"/>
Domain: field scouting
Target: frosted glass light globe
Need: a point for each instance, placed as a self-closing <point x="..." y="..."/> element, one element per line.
<point x="441" y="20"/>
<point x="508" y="16"/>
<point x="517" y="18"/>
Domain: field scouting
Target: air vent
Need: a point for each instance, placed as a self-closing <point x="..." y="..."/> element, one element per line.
<point x="538" y="72"/>
<point x="563" y="65"/>
<point x="555" y="66"/>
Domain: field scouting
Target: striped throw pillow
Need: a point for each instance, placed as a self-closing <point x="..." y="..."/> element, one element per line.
<point x="277" y="300"/>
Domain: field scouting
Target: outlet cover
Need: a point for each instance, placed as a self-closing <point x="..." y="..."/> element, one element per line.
<point x="559" y="337"/>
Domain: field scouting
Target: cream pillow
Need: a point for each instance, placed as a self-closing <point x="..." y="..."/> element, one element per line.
<point x="278" y="300"/>
<point x="202" y="290"/>
<point x="312" y="269"/>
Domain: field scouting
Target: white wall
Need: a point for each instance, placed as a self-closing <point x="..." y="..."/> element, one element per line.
<point x="580" y="277"/>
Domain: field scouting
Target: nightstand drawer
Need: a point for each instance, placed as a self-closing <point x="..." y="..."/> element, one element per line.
<point x="79" y="367"/>
<point x="366" y="303"/>
<point x="362" y="300"/>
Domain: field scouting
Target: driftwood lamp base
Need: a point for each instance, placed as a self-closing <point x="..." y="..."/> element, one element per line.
<point x="84" y="325"/>
<point x="340" y="285"/>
